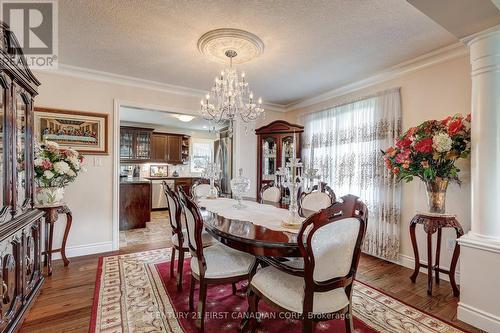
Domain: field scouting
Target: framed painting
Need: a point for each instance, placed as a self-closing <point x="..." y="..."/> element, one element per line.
<point x="86" y="132"/>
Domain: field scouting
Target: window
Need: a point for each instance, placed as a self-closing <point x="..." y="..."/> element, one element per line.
<point x="344" y="142"/>
<point x="201" y="154"/>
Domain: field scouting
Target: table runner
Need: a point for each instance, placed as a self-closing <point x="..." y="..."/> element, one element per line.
<point x="259" y="214"/>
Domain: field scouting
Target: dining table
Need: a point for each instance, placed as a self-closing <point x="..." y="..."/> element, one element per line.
<point x="237" y="232"/>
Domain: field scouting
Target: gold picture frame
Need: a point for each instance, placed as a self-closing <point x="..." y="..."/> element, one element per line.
<point x="86" y="132"/>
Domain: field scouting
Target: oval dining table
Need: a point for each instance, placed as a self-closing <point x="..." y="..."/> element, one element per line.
<point x="252" y="238"/>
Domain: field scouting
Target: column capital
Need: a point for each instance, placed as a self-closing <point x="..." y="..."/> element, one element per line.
<point x="479" y="35"/>
<point x="484" y="51"/>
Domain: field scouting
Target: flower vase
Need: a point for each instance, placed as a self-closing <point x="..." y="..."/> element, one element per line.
<point x="436" y="195"/>
<point x="49" y="196"/>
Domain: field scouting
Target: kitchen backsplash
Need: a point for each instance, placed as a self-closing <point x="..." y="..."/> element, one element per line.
<point x="182" y="170"/>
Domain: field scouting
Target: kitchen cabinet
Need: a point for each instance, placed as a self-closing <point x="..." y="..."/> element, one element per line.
<point x="135" y="144"/>
<point x="159" y="148"/>
<point x="174" y="149"/>
<point x="135" y="204"/>
<point x="169" y="148"/>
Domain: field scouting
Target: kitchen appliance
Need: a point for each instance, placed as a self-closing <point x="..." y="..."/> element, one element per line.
<point x="223" y="148"/>
<point x="159" y="200"/>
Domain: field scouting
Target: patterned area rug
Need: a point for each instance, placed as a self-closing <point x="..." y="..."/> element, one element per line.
<point x="134" y="293"/>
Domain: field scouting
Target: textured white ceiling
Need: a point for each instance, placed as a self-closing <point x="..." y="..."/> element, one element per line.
<point x="310" y="46"/>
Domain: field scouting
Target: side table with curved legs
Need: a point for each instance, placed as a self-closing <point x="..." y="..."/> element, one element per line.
<point x="51" y="216"/>
<point x="433" y="223"/>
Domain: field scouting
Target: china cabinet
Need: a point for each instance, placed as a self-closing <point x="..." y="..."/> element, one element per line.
<point x="20" y="222"/>
<point x="275" y="148"/>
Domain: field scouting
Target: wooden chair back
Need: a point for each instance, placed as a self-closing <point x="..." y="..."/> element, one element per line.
<point x="324" y="240"/>
<point x="194" y="227"/>
<point x="174" y="208"/>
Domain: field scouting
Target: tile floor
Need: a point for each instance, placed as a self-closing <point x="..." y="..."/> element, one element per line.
<point x="157" y="230"/>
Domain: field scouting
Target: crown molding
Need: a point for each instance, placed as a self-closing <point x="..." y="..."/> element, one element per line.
<point x="90" y="74"/>
<point x="435" y="57"/>
<point x="432" y="58"/>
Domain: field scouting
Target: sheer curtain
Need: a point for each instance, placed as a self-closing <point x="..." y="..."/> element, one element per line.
<point x="344" y="142"/>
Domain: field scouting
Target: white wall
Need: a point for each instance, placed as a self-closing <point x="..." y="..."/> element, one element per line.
<point x="90" y="197"/>
<point x="430" y="93"/>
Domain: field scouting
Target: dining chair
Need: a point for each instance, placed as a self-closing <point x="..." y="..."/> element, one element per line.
<point x="201" y="189"/>
<point x="270" y="193"/>
<point x="330" y="244"/>
<point x="217" y="264"/>
<point x="321" y="196"/>
<point x="179" y="234"/>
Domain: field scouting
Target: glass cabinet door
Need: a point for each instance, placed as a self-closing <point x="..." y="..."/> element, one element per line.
<point x="21" y="151"/>
<point x="286" y="149"/>
<point x="269" y="155"/>
<point x="126" y="145"/>
<point x="143" y="146"/>
<point x="2" y="152"/>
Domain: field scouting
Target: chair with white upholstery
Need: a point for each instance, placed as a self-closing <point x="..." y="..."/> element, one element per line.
<point x="270" y="193"/>
<point x="330" y="244"/>
<point x="217" y="264"/>
<point x="319" y="198"/>
<point x="200" y="190"/>
<point x="179" y="234"/>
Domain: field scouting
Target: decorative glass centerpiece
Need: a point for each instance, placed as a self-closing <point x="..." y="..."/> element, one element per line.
<point x="212" y="172"/>
<point x="240" y="186"/>
<point x="309" y="175"/>
<point x="292" y="179"/>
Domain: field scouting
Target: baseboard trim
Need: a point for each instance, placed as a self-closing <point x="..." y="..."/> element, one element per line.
<point x="83" y="250"/>
<point x="478" y="318"/>
<point x="409" y="262"/>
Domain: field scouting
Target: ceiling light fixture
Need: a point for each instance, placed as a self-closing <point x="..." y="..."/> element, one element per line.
<point x="184" y="117"/>
<point x="230" y="98"/>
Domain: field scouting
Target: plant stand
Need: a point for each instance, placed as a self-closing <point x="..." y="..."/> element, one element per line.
<point x="51" y="216"/>
<point x="432" y="223"/>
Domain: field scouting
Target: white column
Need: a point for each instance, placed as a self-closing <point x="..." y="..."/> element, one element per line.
<point x="480" y="249"/>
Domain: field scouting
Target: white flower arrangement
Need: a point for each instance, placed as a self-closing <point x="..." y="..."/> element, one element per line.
<point x="56" y="166"/>
<point x="442" y="142"/>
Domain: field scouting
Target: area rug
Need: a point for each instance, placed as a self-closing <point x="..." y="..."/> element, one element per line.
<point x="134" y="293"/>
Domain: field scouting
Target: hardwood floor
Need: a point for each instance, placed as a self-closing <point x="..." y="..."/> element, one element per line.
<point x="65" y="302"/>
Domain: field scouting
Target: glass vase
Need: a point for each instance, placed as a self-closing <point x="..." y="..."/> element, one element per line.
<point x="436" y="195"/>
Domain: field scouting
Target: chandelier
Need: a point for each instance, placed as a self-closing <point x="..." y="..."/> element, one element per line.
<point x="230" y="98"/>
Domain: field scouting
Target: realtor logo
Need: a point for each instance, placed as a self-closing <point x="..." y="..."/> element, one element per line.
<point x="34" y="23"/>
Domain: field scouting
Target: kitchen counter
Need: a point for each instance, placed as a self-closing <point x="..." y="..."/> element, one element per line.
<point x="134" y="180"/>
<point x="170" y="177"/>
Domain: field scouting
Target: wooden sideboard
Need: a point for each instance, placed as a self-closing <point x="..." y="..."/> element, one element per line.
<point x="20" y="223"/>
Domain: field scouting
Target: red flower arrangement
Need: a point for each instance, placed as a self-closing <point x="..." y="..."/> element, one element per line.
<point x="430" y="149"/>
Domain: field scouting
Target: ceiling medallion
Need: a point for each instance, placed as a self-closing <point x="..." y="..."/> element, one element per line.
<point x="215" y="43"/>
